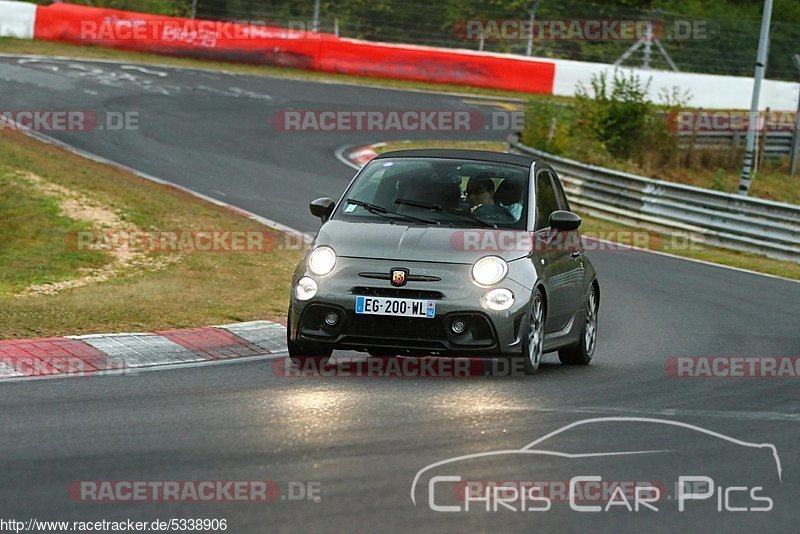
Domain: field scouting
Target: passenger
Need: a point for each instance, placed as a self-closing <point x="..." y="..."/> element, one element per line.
<point x="509" y="195"/>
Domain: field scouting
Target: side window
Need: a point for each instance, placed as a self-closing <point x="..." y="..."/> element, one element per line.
<point x="546" y="202"/>
<point x="561" y="198"/>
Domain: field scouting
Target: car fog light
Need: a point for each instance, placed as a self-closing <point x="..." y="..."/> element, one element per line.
<point x="458" y="327"/>
<point x="305" y="289"/>
<point x="497" y="299"/>
<point x="332" y="318"/>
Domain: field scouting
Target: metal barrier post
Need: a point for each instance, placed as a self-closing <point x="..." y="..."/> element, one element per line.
<point x="796" y="136"/>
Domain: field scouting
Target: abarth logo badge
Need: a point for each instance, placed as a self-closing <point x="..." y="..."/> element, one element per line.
<point x="399" y="277"/>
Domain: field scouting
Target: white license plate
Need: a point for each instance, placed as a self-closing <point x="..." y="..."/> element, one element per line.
<point x="424" y="309"/>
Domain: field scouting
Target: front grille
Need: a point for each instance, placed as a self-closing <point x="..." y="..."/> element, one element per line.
<point x="384" y="326"/>
<point x="409" y="278"/>
<point x="397" y="293"/>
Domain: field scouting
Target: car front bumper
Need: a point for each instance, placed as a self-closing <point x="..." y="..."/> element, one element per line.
<point x="489" y="333"/>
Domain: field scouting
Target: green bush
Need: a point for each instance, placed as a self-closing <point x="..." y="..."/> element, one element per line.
<point x="612" y="120"/>
<point x="618" y="115"/>
<point x="174" y="8"/>
<point x="546" y="126"/>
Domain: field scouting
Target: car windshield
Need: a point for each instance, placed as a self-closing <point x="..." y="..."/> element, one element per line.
<point x="438" y="191"/>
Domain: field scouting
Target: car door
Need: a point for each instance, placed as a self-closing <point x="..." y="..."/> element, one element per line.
<point x="575" y="275"/>
<point x="557" y="262"/>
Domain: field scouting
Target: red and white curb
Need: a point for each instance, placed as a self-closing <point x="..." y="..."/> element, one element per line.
<point x="362" y="156"/>
<point x="357" y="157"/>
<point x="115" y="353"/>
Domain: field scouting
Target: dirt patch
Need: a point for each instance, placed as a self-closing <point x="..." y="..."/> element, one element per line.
<point x="82" y="207"/>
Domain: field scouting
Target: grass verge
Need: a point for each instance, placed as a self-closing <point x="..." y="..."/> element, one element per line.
<point x="164" y="290"/>
<point x="771" y="182"/>
<point x="492" y="146"/>
<point x="595" y="226"/>
<point x="32" y="246"/>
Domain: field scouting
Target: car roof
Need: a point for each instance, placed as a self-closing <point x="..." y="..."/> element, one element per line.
<point x="475" y="155"/>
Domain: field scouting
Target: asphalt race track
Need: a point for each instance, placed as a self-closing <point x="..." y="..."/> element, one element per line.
<point x="363" y="440"/>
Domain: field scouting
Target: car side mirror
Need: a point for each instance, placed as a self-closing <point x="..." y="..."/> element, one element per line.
<point x="322" y="208"/>
<point x="564" y="221"/>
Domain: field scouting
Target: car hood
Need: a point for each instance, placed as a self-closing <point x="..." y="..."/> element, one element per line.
<point x="410" y="243"/>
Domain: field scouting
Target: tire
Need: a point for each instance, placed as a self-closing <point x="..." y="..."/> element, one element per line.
<point x="300" y="353"/>
<point x="533" y="342"/>
<point x="581" y="354"/>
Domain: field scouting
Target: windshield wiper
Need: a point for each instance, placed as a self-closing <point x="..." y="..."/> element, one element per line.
<point x="437" y="207"/>
<point x="380" y="210"/>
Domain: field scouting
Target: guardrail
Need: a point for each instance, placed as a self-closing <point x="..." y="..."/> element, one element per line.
<point x="776" y="144"/>
<point x="711" y="217"/>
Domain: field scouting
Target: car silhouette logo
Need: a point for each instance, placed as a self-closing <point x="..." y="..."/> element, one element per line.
<point x="399" y="277"/>
<point x="535" y="448"/>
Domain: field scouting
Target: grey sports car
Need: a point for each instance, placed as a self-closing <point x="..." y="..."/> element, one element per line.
<point x="447" y="253"/>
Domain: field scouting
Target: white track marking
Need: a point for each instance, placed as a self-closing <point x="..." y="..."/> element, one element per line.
<point x="36" y="57"/>
<point x="339" y="154"/>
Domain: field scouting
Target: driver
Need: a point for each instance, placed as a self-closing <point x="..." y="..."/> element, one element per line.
<point x="480" y="192"/>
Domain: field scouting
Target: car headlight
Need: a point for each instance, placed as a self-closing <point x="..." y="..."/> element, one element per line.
<point x="489" y="270"/>
<point x="321" y="260"/>
<point x="305" y="289"/>
<point x="497" y="299"/>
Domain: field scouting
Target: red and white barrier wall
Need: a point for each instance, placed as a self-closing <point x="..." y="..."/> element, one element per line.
<point x="709" y="91"/>
<point x="328" y="53"/>
<point x="17" y="19"/>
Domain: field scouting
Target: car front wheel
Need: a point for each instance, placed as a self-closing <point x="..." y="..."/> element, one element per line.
<point x="533" y="342"/>
<point x="581" y="354"/>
